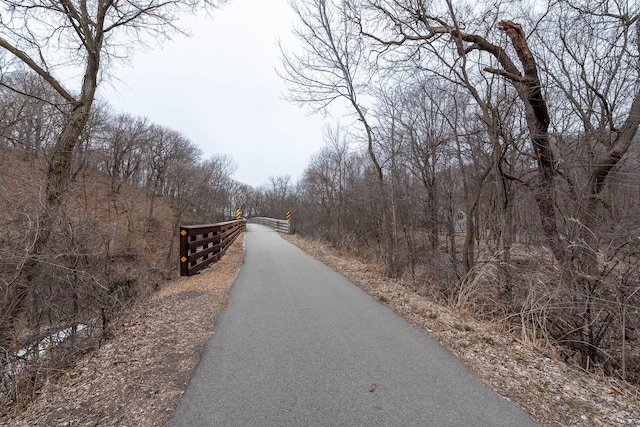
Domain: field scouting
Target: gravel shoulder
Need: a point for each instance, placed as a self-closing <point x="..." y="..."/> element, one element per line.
<point x="138" y="377"/>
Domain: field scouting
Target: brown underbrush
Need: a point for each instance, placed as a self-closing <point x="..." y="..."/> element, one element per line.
<point x="512" y="351"/>
<point x="104" y="255"/>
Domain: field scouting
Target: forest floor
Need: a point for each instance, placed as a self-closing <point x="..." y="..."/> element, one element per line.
<point x="138" y="377"/>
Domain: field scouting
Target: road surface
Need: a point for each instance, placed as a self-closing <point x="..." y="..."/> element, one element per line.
<point x="299" y="345"/>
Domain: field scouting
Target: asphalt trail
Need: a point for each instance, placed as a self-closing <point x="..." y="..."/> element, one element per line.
<point x="299" y="345"/>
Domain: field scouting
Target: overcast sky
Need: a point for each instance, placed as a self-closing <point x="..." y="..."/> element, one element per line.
<point x="220" y="89"/>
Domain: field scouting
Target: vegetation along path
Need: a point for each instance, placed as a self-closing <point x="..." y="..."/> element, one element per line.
<point x="300" y="345"/>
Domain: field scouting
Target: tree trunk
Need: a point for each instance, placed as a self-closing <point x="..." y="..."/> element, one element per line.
<point x="537" y="116"/>
<point x="57" y="182"/>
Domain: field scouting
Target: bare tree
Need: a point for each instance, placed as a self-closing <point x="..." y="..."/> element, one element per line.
<point x="44" y="36"/>
<point x="29" y="122"/>
<point x="525" y="117"/>
<point x="122" y="144"/>
<point x="278" y="193"/>
<point x="324" y="189"/>
<point x="429" y="26"/>
<point x="214" y="201"/>
<point x="333" y="67"/>
<point x="167" y="149"/>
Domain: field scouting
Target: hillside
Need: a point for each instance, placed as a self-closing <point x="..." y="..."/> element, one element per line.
<point x="105" y="254"/>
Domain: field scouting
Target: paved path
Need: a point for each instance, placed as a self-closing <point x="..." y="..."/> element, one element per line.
<point x="299" y="345"/>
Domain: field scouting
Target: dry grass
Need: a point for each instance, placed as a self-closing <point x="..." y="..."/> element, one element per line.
<point x="531" y="376"/>
<point x="100" y="259"/>
<point x="138" y="377"/>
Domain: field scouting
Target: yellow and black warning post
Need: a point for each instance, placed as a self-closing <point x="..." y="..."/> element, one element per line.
<point x="288" y="215"/>
<point x="238" y="213"/>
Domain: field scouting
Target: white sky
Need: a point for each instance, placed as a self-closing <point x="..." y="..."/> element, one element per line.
<point x="220" y="89"/>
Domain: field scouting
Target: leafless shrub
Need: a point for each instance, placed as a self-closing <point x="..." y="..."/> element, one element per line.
<point x="92" y="271"/>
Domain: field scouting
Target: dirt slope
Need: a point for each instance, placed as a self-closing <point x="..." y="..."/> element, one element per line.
<point x="137" y="378"/>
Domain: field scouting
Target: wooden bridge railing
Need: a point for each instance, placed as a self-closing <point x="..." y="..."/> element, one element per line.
<point x="280" y="225"/>
<point x="200" y="245"/>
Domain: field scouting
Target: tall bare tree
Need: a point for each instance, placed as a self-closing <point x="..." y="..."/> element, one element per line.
<point x="331" y="67"/>
<point x="47" y="37"/>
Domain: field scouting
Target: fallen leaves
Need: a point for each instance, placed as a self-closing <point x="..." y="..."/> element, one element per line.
<point x="138" y="377"/>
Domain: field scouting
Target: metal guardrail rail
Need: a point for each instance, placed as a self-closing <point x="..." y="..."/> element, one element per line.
<point x="201" y="245"/>
<point x="280" y="225"/>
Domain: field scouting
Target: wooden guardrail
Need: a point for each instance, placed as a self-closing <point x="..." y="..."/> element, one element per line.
<point x="280" y="225"/>
<point x="200" y="245"/>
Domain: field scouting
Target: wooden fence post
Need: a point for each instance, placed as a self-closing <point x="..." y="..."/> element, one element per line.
<point x="184" y="252"/>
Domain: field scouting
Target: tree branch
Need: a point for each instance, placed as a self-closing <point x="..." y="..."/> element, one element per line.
<point x="39" y="70"/>
<point x="619" y="147"/>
